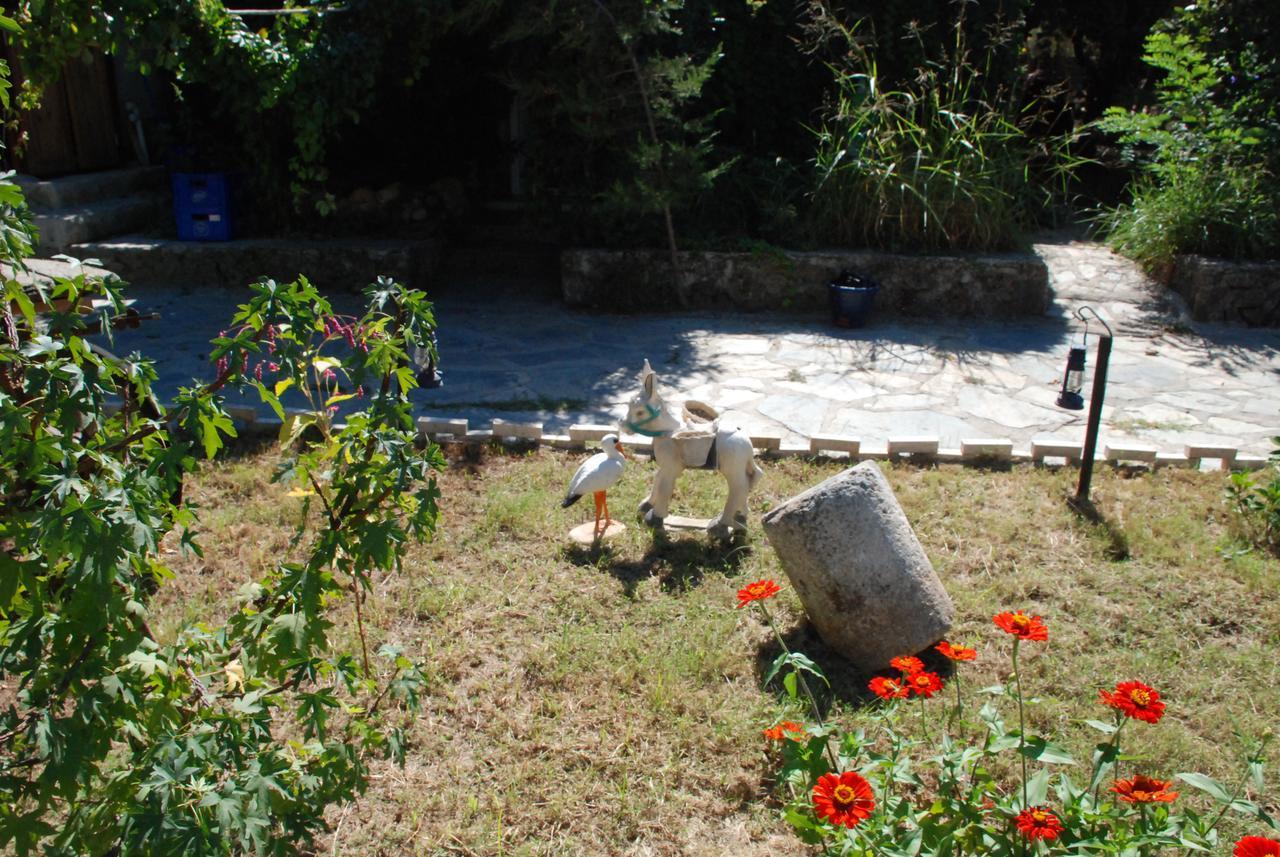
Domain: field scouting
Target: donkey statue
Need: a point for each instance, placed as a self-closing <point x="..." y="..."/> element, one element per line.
<point x="695" y="439"/>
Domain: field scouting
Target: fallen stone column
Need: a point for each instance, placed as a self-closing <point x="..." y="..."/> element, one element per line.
<point x="860" y="571"/>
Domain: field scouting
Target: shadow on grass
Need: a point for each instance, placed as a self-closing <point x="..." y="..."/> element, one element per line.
<point x="680" y="564"/>
<point x="1117" y="543"/>
<point x="849" y="684"/>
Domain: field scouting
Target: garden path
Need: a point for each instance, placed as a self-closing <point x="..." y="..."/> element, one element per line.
<point x="511" y="350"/>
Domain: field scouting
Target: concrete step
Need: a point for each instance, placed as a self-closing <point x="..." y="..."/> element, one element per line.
<point x="332" y="264"/>
<point x="60" y="228"/>
<point x="86" y="188"/>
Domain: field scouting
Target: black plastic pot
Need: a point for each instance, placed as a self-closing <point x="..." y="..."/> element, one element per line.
<point x="851" y="297"/>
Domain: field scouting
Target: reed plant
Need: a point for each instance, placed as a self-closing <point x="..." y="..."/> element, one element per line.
<point x="943" y="162"/>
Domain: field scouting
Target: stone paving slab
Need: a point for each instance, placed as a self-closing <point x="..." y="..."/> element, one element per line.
<point x="516" y="353"/>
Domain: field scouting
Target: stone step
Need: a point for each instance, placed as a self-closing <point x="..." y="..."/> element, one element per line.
<point x="335" y="264"/>
<point x="86" y="188"/>
<point x="62" y="228"/>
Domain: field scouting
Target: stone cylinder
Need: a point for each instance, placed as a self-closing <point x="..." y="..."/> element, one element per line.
<point x="860" y="571"/>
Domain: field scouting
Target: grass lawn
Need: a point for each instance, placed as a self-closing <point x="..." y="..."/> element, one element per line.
<point x="610" y="702"/>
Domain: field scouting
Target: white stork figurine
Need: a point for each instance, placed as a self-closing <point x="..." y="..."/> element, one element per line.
<point x="596" y="475"/>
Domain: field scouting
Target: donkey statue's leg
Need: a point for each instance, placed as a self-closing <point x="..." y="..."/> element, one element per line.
<point x="655" y="506"/>
<point x="741" y="473"/>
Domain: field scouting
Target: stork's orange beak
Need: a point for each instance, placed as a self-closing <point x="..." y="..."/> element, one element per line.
<point x="621" y="450"/>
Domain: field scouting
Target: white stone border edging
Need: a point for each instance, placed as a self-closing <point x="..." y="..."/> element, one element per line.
<point x="972" y="451"/>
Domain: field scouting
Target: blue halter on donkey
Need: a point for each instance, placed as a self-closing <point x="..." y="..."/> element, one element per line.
<point x="695" y="439"/>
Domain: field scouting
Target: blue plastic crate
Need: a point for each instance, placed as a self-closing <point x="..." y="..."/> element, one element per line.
<point x="204" y="226"/>
<point x="202" y="206"/>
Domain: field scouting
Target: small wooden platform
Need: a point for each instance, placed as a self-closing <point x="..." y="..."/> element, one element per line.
<point x="680" y="522"/>
<point x="582" y="534"/>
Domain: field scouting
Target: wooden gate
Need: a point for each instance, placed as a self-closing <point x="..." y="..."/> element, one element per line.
<point x="76" y="128"/>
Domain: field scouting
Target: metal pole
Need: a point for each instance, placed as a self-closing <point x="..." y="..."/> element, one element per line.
<point x="1095" y="408"/>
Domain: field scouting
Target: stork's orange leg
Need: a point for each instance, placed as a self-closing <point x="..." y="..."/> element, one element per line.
<point x="600" y="506"/>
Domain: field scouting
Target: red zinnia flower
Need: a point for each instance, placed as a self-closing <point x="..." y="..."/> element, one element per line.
<point x="785" y="729"/>
<point x="1257" y="846"/>
<point x="1142" y="789"/>
<point x="889" y="688"/>
<point x="956" y="653"/>
<point x="758" y="591"/>
<point x="907" y="665"/>
<point x="1038" y="822"/>
<point x="1136" y="700"/>
<point x="924" y="684"/>
<point x="1022" y="626"/>
<point x="844" y="799"/>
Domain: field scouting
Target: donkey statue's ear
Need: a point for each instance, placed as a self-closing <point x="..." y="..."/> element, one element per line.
<point x="648" y="380"/>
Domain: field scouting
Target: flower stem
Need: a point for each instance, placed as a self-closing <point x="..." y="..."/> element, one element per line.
<point x="804" y="685"/>
<point x="1022" y="721"/>
<point x="1115" y="744"/>
<point x="959" y="705"/>
<point x="1239" y="788"/>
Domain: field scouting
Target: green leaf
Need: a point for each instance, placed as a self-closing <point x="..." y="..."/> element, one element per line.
<point x="147" y="662"/>
<point x="789" y="681"/>
<point x="1104" y="728"/>
<point x="798" y="661"/>
<point x="293" y="427"/>
<point x="1208" y="785"/>
<point x="1042" y="750"/>
<point x="1007" y="741"/>
<point x="1038" y="788"/>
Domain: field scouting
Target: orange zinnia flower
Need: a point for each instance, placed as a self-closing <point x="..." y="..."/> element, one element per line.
<point x="1038" y="822"/>
<point x="1022" y="626"/>
<point x="785" y="729"/>
<point x="1136" y="700"/>
<point x="843" y="799"/>
<point x="1142" y="789"/>
<point x="1257" y="846"/>
<point x="907" y="665"/>
<point x="924" y="684"/>
<point x="888" y="688"/>
<point x="758" y="591"/>
<point x="956" y="653"/>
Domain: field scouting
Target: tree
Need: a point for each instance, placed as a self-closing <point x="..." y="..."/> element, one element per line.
<point x="222" y="738"/>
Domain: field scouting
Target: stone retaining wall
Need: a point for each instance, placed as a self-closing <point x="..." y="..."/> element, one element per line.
<point x="1233" y="292"/>
<point x="329" y="264"/>
<point x="979" y="287"/>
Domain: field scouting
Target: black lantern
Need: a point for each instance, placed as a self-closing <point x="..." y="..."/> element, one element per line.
<point x="1073" y="381"/>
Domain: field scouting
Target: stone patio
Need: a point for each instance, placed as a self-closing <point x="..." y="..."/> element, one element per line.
<point x="511" y="350"/>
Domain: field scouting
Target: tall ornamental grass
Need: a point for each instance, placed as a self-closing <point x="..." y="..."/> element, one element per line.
<point x="941" y="163"/>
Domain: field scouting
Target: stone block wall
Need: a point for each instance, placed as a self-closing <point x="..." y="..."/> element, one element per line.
<point x="1233" y="292"/>
<point x="335" y="264"/>
<point x="998" y="287"/>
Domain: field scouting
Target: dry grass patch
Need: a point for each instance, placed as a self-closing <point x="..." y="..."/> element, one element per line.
<point x="609" y="701"/>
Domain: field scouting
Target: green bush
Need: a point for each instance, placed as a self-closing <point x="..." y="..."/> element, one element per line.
<point x="1207" y="182"/>
<point x="217" y="737"/>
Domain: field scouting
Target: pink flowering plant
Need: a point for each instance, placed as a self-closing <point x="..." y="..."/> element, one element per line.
<point x="924" y="780"/>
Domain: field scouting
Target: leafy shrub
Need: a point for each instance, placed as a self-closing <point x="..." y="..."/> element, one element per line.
<point x="1256" y="501"/>
<point x="218" y="738"/>
<point x="1207" y="182"/>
